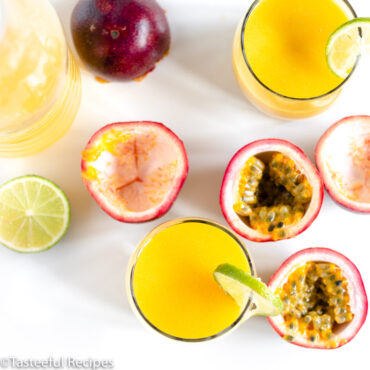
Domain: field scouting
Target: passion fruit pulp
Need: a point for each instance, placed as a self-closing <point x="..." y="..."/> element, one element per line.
<point x="270" y="191"/>
<point x="134" y="170"/>
<point x="325" y="302"/>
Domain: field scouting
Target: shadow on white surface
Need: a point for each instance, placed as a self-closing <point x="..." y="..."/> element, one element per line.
<point x="64" y="9"/>
<point x="97" y="274"/>
<point x="202" y="189"/>
<point x="256" y="329"/>
<point x="65" y="155"/>
<point x="206" y="53"/>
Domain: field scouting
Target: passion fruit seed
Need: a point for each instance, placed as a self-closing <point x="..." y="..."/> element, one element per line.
<point x="314" y="305"/>
<point x="283" y="216"/>
<point x="289" y="338"/>
<point x="272" y="198"/>
<point x="250" y="177"/>
<point x="284" y="172"/>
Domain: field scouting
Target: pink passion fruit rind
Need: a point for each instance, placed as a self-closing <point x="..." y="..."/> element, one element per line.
<point x="343" y="159"/>
<point x="351" y="284"/>
<point x="291" y="191"/>
<point x="134" y="170"/>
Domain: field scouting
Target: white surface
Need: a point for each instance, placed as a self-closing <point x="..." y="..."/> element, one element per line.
<point x="70" y="301"/>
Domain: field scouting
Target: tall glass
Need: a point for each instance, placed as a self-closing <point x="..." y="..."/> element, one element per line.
<point x="40" y="83"/>
<point x="154" y="257"/>
<point x="264" y="97"/>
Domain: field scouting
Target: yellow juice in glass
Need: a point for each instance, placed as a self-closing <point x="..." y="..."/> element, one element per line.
<point x="279" y="55"/>
<point x="171" y="284"/>
<point x="39" y="80"/>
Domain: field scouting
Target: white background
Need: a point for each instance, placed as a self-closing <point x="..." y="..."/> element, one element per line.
<point x="70" y="301"/>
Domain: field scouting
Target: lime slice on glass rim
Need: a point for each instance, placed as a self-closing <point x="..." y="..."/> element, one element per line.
<point x="346" y="43"/>
<point x="241" y="286"/>
<point x="34" y="214"/>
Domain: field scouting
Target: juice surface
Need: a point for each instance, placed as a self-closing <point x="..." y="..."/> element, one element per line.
<point x="173" y="280"/>
<point x="33" y="62"/>
<point x="285" y="43"/>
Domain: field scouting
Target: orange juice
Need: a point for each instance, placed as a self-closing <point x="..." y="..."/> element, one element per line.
<point x="279" y="55"/>
<point x="39" y="80"/>
<point x="171" y="279"/>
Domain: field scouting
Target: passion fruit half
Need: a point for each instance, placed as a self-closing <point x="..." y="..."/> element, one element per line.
<point x="325" y="302"/>
<point x="134" y="170"/>
<point x="343" y="159"/>
<point x="270" y="191"/>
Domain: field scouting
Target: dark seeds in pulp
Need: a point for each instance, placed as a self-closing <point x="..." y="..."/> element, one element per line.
<point x="273" y="195"/>
<point x="317" y="302"/>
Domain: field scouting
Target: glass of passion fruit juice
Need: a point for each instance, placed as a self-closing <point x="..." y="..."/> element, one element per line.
<point x="170" y="281"/>
<point x="279" y="55"/>
<point x="40" y="87"/>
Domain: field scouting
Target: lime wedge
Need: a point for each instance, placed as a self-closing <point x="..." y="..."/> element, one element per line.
<point x="34" y="214"/>
<point x="346" y="43"/>
<point x="241" y="286"/>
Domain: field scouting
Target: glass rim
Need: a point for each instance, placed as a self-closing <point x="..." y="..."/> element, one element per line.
<point x="245" y="20"/>
<point x="164" y="226"/>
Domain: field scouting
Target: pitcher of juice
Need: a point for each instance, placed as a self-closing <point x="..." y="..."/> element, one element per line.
<point x="40" y="83"/>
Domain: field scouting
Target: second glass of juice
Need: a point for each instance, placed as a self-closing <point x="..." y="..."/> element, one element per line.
<point x="170" y="279"/>
<point x="279" y="55"/>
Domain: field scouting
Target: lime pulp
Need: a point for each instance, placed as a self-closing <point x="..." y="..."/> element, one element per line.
<point x="346" y="43"/>
<point x="34" y="214"/>
<point x="242" y="286"/>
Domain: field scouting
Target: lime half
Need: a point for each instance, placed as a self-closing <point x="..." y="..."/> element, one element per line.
<point x="241" y="286"/>
<point x="34" y="214"/>
<point x="346" y="43"/>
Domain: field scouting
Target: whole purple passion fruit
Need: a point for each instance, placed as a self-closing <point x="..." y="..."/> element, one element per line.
<point x="120" y="40"/>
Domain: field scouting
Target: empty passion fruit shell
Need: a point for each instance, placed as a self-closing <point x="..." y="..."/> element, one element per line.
<point x="325" y="302"/>
<point x="134" y="170"/>
<point x="343" y="159"/>
<point x="270" y="191"/>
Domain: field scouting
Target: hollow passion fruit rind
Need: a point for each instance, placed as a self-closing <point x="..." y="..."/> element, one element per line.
<point x="134" y="170"/>
<point x="343" y="159"/>
<point x="270" y="191"/>
<point x="325" y="302"/>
